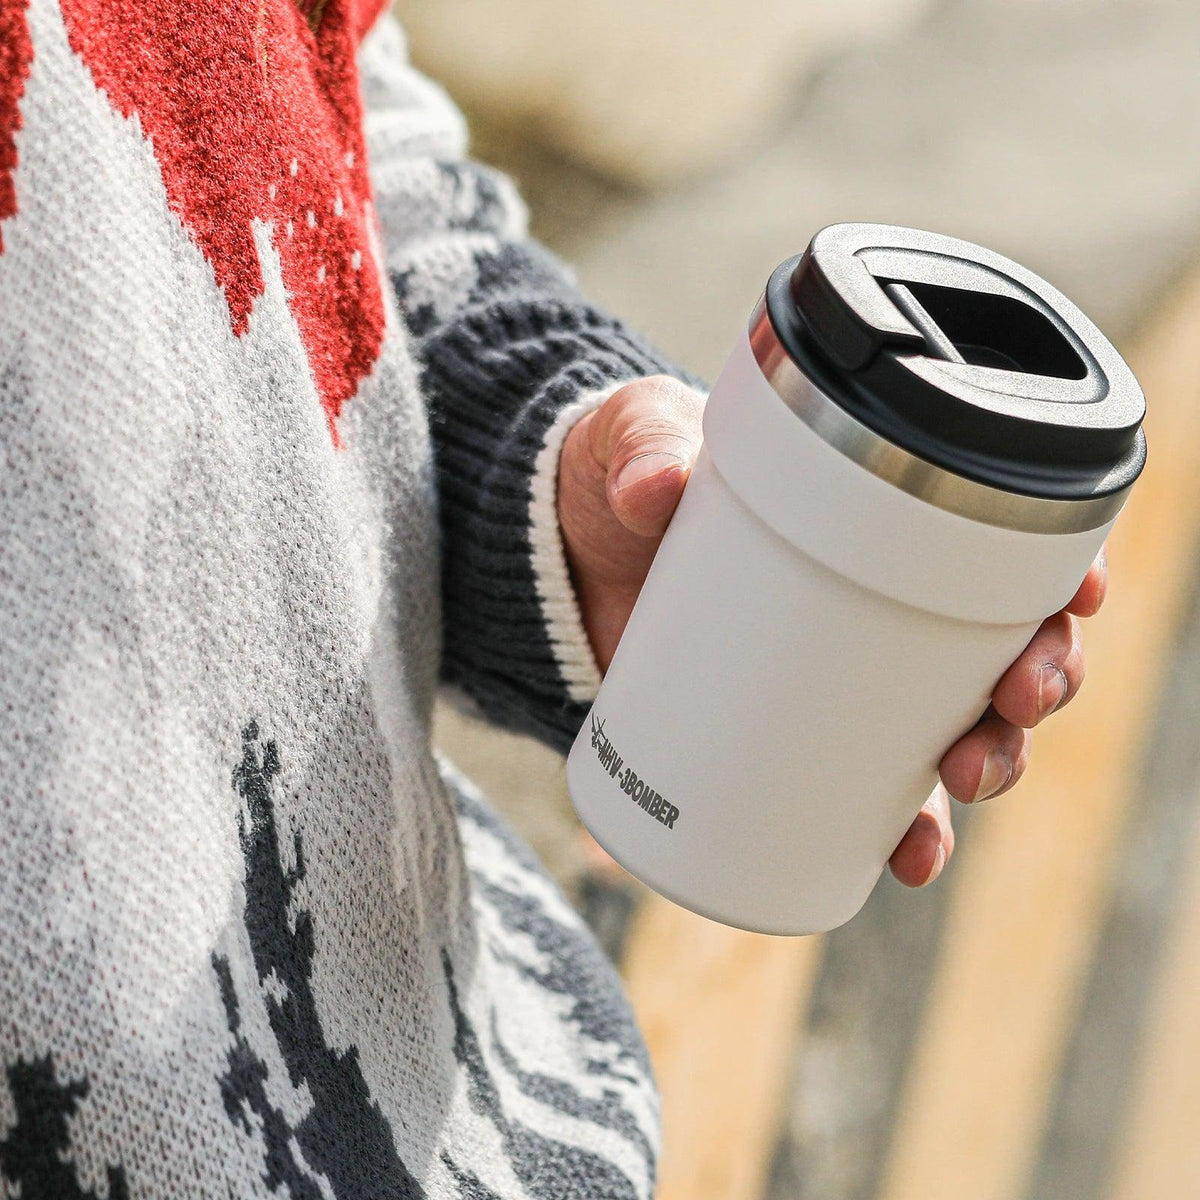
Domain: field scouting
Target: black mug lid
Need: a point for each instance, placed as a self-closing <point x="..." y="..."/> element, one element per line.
<point x="961" y="357"/>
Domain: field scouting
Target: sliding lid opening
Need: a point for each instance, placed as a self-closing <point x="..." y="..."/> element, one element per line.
<point x="961" y="357"/>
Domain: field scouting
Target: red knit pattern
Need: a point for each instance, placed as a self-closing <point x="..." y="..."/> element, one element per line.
<point x="16" y="51"/>
<point x="253" y="116"/>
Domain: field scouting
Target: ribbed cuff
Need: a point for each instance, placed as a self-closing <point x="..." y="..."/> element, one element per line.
<point x="506" y="381"/>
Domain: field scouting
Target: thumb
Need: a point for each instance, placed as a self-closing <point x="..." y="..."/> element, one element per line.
<point x="646" y="436"/>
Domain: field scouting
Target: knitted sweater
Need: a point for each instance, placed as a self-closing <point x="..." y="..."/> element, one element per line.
<point x="282" y="388"/>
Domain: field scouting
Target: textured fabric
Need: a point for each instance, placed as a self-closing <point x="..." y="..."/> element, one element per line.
<point x="255" y="940"/>
<point x="505" y="344"/>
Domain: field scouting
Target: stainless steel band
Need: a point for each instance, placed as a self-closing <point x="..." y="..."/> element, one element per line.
<point x="933" y="484"/>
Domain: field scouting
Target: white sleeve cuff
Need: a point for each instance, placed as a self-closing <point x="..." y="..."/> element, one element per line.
<point x="552" y="578"/>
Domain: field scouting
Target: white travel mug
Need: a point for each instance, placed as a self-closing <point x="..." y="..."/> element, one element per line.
<point x="910" y="460"/>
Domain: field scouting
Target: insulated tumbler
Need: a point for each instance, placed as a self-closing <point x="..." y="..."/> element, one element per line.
<point x="911" y="458"/>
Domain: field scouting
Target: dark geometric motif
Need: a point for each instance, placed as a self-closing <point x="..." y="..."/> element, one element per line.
<point x="470" y="1186"/>
<point x="344" y="1136"/>
<point x="34" y="1156"/>
<point x="573" y="967"/>
<point x="551" y="1170"/>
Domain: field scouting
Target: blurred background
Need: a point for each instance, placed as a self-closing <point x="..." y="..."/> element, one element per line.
<point x="1029" y="1027"/>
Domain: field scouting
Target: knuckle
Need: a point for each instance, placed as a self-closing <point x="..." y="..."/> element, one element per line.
<point x="669" y="394"/>
<point x="660" y="380"/>
<point x="655" y="430"/>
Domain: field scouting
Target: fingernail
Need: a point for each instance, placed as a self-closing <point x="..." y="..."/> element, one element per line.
<point x="644" y="466"/>
<point x="997" y="771"/>
<point x="939" y="861"/>
<point x="1052" y="689"/>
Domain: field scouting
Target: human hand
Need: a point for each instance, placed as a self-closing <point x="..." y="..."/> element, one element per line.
<point x="622" y="470"/>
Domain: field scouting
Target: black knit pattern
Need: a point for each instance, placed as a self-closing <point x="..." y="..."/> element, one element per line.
<point x="496" y="375"/>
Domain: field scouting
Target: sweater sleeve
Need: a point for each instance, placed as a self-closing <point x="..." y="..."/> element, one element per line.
<point x="511" y="356"/>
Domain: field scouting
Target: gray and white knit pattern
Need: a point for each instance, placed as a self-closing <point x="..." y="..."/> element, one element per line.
<point x="255" y="940"/>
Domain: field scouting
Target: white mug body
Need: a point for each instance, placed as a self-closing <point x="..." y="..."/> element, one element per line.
<point x="809" y="642"/>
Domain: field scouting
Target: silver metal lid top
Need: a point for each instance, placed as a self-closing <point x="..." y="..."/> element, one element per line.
<point x="955" y="375"/>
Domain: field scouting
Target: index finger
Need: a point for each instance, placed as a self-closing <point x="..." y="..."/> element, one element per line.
<point x="1087" y="600"/>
